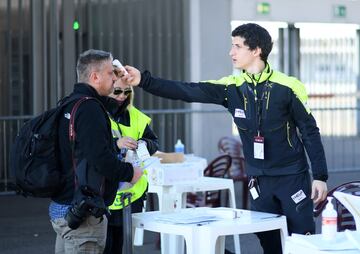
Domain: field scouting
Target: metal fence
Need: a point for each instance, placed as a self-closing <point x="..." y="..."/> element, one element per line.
<point x="169" y="125"/>
<point x="340" y="150"/>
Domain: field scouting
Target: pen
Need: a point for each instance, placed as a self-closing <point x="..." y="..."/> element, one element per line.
<point x="201" y="224"/>
<point x="270" y="217"/>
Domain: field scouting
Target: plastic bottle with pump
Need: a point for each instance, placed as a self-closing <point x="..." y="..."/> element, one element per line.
<point x="179" y="147"/>
<point x="329" y="221"/>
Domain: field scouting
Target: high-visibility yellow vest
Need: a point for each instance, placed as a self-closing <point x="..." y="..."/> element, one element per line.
<point x="138" y="122"/>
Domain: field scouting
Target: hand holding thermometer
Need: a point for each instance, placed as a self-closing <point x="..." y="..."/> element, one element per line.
<point x="118" y="65"/>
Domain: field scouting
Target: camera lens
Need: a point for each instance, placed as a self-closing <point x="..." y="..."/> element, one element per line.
<point x="76" y="215"/>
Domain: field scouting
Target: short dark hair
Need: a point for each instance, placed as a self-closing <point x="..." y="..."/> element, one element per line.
<point x="255" y="36"/>
<point x="89" y="59"/>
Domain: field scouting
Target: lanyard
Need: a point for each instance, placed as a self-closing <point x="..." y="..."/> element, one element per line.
<point x="259" y="101"/>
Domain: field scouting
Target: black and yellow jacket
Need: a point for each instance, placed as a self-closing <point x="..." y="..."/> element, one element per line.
<point x="128" y="121"/>
<point x="271" y="104"/>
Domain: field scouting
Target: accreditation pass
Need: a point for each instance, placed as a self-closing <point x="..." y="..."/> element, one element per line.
<point x="259" y="147"/>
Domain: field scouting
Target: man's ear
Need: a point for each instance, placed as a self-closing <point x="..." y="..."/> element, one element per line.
<point x="94" y="77"/>
<point x="257" y="51"/>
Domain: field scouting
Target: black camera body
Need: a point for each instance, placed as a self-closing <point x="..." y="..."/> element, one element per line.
<point x="86" y="202"/>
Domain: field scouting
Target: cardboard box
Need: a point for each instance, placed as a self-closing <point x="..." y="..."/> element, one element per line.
<point x="170" y="157"/>
<point x="190" y="170"/>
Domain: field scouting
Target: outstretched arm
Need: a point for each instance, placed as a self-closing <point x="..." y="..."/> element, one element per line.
<point x="203" y="92"/>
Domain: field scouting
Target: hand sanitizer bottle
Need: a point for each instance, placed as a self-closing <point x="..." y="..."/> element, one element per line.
<point x="329" y="221"/>
<point x="179" y="147"/>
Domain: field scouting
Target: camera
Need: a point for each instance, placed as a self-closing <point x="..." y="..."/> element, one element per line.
<point x="86" y="203"/>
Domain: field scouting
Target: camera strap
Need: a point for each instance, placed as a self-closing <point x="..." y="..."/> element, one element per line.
<point x="72" y="137"/>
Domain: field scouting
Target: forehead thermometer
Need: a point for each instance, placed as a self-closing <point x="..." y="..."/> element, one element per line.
<point x="118" y="65"/>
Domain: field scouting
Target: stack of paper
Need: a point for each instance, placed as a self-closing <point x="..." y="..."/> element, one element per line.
<point x="198" y="215"/>
<point x="316" y="242"/>
<point x="348" y="240"/>
<point x="186" y="218"/>
<point x="354" y="237"/>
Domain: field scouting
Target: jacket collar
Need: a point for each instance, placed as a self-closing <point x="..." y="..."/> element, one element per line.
<point x="113" y="107"/>
<point x="86" y="90"/>
<point x="260" y="77"/>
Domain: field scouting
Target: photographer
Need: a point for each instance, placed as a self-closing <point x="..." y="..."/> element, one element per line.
<point x="77" y="212"/>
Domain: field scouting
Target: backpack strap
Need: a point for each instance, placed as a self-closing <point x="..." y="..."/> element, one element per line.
<point x="72" y="133"/>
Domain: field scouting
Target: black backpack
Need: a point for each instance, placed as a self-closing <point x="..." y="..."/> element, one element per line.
<point x="34" y="155"/>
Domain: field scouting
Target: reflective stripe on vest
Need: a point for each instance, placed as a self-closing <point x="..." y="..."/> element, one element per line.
<point x="138" y="122"/>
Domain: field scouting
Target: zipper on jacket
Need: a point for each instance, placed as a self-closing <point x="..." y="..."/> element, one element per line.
<point x="245" y="102"/>
<point x="267" y="100"/>
<point x="288" y="133"/>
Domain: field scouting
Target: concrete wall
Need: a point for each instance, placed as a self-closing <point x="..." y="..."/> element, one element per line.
<point x="209" y="41"/>
<point x="209" y="45"/>
<point x="297" y="11"/>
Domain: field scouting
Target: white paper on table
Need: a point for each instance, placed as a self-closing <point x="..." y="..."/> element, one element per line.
<point x="223" y="212"/>
<point x="316" y="242"/>
<point x="186" y="218"/>
<point x="352" y="203"/>
<point x="199" y="215"/>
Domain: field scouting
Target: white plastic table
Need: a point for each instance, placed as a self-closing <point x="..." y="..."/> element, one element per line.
<point x="209" y="238"/>
<point x="173" y="197"/>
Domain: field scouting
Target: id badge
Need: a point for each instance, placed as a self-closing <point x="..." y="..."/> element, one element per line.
<point x="253" y="188"/>
<point x="254" y="193"/>
<point x="259" y="147"/>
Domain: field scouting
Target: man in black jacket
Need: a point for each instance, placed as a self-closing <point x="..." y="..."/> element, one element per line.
<point x="269" y="108"/>
<point x="76" y="211"/>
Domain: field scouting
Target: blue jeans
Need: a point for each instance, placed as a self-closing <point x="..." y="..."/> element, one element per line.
<point x="89" y="238"/>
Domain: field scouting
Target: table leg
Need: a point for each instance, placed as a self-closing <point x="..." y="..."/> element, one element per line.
<point x="139" y="237"/>
<point x="283" y="234"/>
<point x="139" y="232"/>
<point x="170" y="244"/>
<point x="232" y="202"/>
<point x="207" y="243"/>
<point x="176" y="242"/>
<point x="220" y="245"/>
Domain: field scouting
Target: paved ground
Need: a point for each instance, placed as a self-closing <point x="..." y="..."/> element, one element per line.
<point x="25" y="228"/>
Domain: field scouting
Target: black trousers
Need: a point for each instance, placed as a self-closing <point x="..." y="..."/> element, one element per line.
<point x="114" y="236"/>
<point x="288" y="195"/>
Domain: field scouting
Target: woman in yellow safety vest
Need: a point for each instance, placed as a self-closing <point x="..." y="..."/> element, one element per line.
<point x="129" y="126"/>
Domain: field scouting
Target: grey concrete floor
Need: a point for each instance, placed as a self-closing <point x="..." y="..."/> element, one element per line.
<point x="25" y="227"/>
